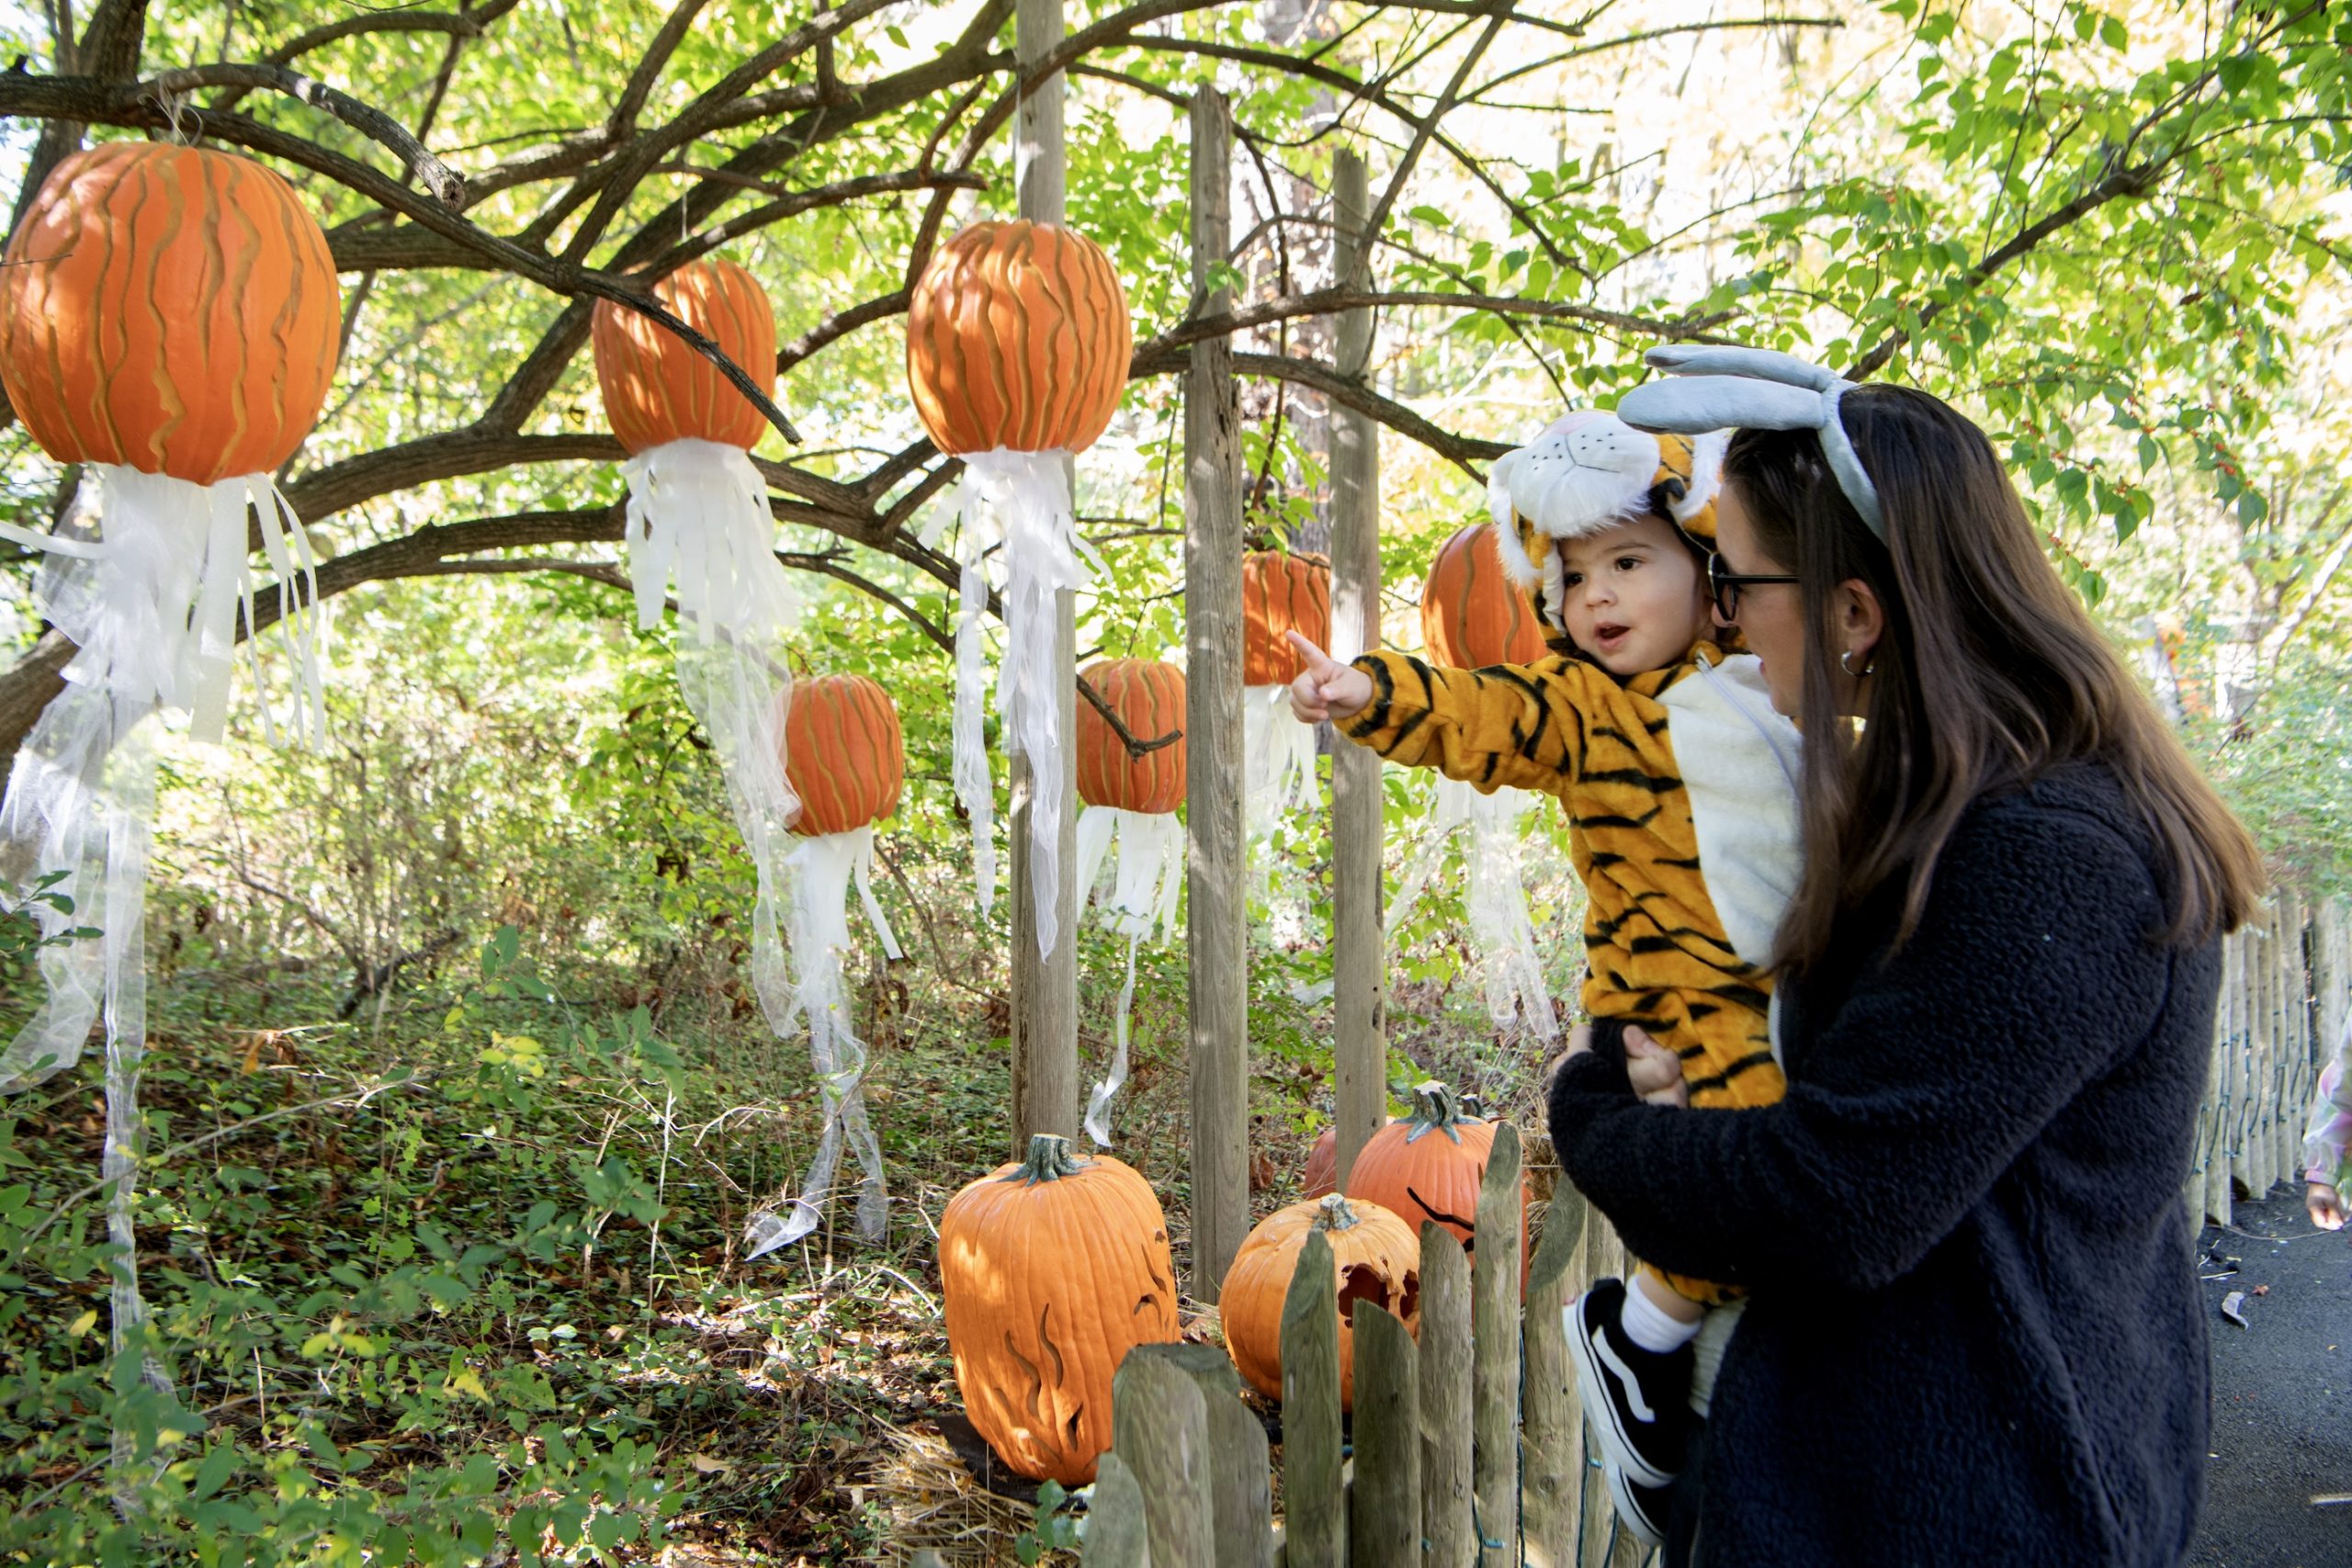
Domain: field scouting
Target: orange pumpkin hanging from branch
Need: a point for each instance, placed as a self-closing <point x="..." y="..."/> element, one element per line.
<point x="1280" y="593"/>
<point x="1017" y="350"/>
<point x="1473" y="614"/>
<point x="1130" y="816"/>
<point x="1429" y="1167"/>
<point x="846" y="762"/>
<point x="169" y="317"/>
<point x="1052" y="1268"/>
<point x="1376" y="1257"/>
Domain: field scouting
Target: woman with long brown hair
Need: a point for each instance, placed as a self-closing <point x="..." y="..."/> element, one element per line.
<point x="1973" y="1333"/>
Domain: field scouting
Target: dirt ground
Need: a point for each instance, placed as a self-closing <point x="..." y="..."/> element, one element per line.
<point x="2282" y="1393"/>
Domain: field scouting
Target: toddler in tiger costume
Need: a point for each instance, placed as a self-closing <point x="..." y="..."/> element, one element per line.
<point x="1680" y="783"/>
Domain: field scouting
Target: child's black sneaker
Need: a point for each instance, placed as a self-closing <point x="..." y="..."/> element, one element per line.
<point x="1643" y="1510"/>
<point x="1638" y="1401"/>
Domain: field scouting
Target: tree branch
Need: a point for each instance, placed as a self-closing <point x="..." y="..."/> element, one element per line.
<point x="437" y="178"/>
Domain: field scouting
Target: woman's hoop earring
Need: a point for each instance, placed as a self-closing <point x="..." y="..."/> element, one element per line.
<point x="1846" y="662"/>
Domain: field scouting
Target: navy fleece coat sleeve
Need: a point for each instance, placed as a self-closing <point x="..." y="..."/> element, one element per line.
<point x="2030" y="975"/>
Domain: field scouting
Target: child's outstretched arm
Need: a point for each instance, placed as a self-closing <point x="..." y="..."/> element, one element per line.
<point x="1518" y="727"/>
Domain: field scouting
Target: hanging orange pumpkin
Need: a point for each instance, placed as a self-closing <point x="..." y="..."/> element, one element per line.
<point x="1149" y="696"/>
<point x="170" y="308"/>
<point x="1473" y="616"/>
<point x="1017" y="337"/>
<point x="844" y="753"/>
<point x="657" y="388"/>
<point x="1376" y="1257"/>
<point x="1282" y="593"/>
<point x="1429" y="1167"/>
<point x="1018" y="345"/>
<point x="1052" y="1268"/>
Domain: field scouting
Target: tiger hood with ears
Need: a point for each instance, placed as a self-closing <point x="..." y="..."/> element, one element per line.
<point x="1588" y="470"/>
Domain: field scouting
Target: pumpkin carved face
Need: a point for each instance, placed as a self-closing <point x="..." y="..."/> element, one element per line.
<point x="1282" y="593"/>
<point x="1053" y="1269"/>
<point x="1377" y="1259"/>
<point x="172" y="309"/>
<point x="1473" y="616"/>
<point x="657" y="388"/>
<point x="1149" y="696"/>
<point x="1429" y="1166"/>
<point x="1017" y="337"/>
<point x="843" y="753"/>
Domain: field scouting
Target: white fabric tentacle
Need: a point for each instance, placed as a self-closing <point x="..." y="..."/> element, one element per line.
<point x="1510" y="968"/>
<point x="1146" y="852"/>
<point x="1277" y="759"/>
<point x="1030" y="494"/>
<point x="975" y="789"/>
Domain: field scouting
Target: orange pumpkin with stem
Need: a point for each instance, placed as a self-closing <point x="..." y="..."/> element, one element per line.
<point x="1377" y="1258"/>
<point x="1053" y="1269"/>
<point x="1429" y="1166"/>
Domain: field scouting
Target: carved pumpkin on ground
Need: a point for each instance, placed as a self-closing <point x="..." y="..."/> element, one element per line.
<point x="1378" y="1259"/>
<point x="1052" y="1270"/>
<point x="1130" y="816"/>
<point x="1429" y="1166"/>
<point x="1017" y="349"/>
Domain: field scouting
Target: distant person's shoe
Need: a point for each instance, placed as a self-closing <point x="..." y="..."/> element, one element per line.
<point x="1642" y="1509"/>
<point x="1638" y="1401"/>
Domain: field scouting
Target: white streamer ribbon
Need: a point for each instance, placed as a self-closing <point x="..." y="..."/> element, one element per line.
<point x="1024" y="498"/>
<point x="822" y="870"/>
<point x="1277" y="762"/>
<point x="1495" y="902"/>
<point x="1147" y="875"/>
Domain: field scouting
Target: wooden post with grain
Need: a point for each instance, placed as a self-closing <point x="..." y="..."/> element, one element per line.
<point x="1045" y="987"/>
<point x="1359" y="979"/>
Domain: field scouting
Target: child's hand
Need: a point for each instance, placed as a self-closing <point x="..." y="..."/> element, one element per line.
<point x="2326" y="1206"/>
<point x="1656" y="1072"/>
<point x="1326" y="688"/>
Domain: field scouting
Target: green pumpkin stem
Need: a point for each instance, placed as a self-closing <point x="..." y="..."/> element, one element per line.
<point x="1435" y="1110"/>
<point x="1333" y="1213"/>
<point x="1050" y="1160"/>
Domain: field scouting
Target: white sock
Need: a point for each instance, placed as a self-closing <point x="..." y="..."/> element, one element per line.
<point x="1650" y="1326"/>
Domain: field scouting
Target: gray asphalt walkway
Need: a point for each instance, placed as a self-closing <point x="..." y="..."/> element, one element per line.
<point x="2282" y="1393"/>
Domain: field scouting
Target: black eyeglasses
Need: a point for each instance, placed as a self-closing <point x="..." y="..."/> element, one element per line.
<point x="1725" y="585"/>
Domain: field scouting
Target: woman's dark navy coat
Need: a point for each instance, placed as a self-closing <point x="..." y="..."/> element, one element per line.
<point x="1974" y="1335"/>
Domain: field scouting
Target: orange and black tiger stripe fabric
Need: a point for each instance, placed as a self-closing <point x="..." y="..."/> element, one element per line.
<point x="1656" y="949"/>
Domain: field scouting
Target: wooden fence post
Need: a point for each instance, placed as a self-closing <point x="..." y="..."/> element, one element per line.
<point x="1115" y="1525"/>
<point x="1359" y="982"/>
<point x="1495" y="1315"/>
<point x="1159" y="1424"/>
<point x="1385" y="1506"/>
<point x="1314" y="1509"/>
<point x="1551" y="1423"/>
<point x="1045" y="987"/>
<point x="1446" y="1382"/>
<point x="1216" y="911"/>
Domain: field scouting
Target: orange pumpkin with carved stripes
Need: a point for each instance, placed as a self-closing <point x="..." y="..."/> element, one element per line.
<point x="1017" y="337"/>
<point x="1051" y="1270"/>
<point x="843" y="753"/>
<point x="657" y="388"/>
<point x="1149" y="696"/>
<point x="171" y="309"/>
<point x="1282" y="593"/>
<point x="1472" y="615"/>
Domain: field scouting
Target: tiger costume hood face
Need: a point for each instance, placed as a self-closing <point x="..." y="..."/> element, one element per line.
<point x="1587" y="472"/>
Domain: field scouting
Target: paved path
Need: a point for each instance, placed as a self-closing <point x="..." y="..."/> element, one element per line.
<point x="2282" y="1393"/>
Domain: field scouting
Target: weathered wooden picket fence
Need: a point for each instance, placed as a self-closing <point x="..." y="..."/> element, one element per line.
<point x="1468" y="1447"/>
<point x="2286" y="988"/>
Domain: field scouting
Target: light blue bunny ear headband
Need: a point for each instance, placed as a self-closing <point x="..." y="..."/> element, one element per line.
<point x="1708" y="388"/>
